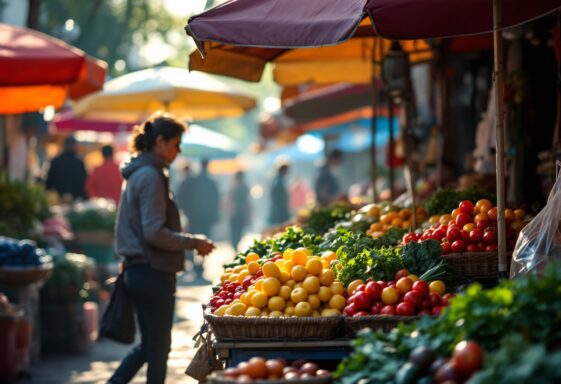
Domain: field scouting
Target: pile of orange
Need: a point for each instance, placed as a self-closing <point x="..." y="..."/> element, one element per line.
<point x="402" y="219"/>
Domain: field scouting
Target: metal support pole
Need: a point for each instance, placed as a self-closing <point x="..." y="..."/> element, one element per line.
<point x="374" y="128"/>
<point x="500" y="135"/>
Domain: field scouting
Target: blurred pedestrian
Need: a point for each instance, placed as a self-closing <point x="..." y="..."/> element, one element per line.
<point x="149" y="237"/>
<point x="300" y="194"/>
<point x="327" y="186"/>
<point x="105" y="181"/>
<point x="239" y="208"/>
<point x="67" y="173"/>
<point x="199" y="199"/>
<point x="279" y="212"/>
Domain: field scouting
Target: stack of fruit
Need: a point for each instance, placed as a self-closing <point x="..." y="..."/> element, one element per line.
<point x="395" y="218"/>
<point x="257" y="368"/>
<point x="405" y="296"/>
<point x="471" y="228"/>
<point x="295" y="283"/>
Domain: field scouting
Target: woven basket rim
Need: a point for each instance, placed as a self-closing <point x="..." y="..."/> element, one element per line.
<point x="218" y="378"/>
<point x="270" y="320"/>
<point x="381" y="318"/>
<point x="470" y="254"/>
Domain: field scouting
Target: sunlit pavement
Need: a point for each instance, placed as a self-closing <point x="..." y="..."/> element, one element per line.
<point x="97" y="366"/>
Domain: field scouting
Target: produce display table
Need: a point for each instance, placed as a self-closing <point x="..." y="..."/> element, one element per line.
<point x="235" y="352"/>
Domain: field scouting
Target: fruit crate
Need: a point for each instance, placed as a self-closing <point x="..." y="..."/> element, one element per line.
<point x="375" y="322"/>
<point x="272" y="328"/>
<point x="476" y="265"/>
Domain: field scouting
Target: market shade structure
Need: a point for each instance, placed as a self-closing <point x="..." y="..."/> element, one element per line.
<point x="324" y="22"/>
<point x="200" y="142"/>
<point x="66" y="121"/>
<point x="134" y="96"/>
<point x="37" y="70"/>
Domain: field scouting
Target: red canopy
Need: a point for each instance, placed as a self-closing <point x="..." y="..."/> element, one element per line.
<point x="305" y="23"/>
<point x="67" y="121"/>
<point x="28" y="57"/>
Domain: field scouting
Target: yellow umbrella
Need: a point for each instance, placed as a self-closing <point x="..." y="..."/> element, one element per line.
<point x="134" y="96"/>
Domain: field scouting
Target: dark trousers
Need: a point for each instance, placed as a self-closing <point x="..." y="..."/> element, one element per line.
<point x="153" y="293"/>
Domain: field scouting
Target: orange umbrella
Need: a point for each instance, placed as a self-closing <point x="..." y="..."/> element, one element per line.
<point x="37" y="70"/>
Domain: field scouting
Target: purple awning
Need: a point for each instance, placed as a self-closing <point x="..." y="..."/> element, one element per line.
<point x="306" y="23"/>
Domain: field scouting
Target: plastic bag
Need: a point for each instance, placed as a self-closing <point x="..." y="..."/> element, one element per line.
<point x="539" y="243"/>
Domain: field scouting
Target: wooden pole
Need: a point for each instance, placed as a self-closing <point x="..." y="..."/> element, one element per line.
<point x="391" y="148"/>
<point x="373" y="125"/>
<point x="500" y="134"/>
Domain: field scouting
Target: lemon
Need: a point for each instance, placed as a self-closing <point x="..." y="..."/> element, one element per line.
<point x="253" y="267"/>
<point x="242" y="275"/>
<point x="298" y="295"/>
<point x="284" y="277"/>
<point x="276" y="314"/>
<point x="259" y="300"/>
<point x="233" y="278"/>
<point x="239" y="268"/>
<point x="326" y="277"/>
<point x="252" y="311"/>
<point x="287" y="253"/>
<point x="276" y="303"/>
<point x="238" y="309"/>
<point x="290" y="283"/>
<point x="297" y="285"/>
<point x="289" y="311"/>
<point x="258" y="284"/>
<point x="285" y="292"/>
<point x="299" y="256"/>
<point x="288" y="265"/>
<point x="314" y="266"/>
<point x="220" y="311"/>
<point x="302" y="309"/>
<point x="252" y="256"/>
<point x="311" y="284"/>
<point x="224" y="277"/>
<point x="270" y="269"/>
<point x="337" y="302"/>
<point x="298" y="273"/>
<point x="326" y="312"/>
<point x="271" y="286"/>
<point x="264" y="313"/>
<point x="354" y="285"/>
<point x="337" y="288"/>
<point x="314" y="301"/>
<point x="324" y="263"/>
<point x="324" y="294"/>
<point x="316" y="314"/>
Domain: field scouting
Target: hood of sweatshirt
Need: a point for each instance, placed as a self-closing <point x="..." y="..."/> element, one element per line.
<point x="140" y="161"/>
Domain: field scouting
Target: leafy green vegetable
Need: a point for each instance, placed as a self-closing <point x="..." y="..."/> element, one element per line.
<point x="322" y="219"/>
<point x="423" y="259"/>
<point x="528" y="307"/>
<point x="445" y="200"/>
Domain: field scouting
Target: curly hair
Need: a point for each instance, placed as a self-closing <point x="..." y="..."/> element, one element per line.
<point x="144" y="135"/>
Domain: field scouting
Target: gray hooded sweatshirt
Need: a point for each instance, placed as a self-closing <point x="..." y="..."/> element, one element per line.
<point x="148" y="229"/>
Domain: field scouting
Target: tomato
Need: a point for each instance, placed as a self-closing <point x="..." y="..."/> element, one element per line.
<point x="426" y="304"/>
<point x="237" y="295"/>
<point x="465" y="236"/>
<point x="472" y="248"/>
<point x="467" y="358"/>
<point x="437" y="310"/>
<point x="446" y="374"/>
<point x="376" y="308"/>
<point x="360" y="288"/>
<point x="509" y="215"/>
<point x="390" y="295"/>
<point x="413" y="297"/>
<point x="453" y="234"/>
<point x="455" y="213"/>
<point x="382" y="284"/>
<point x="409" y="237"/>
<point x="388" y="310"/>
<point x="349" y="310"/>
<point x="480" y="217"/>
<point x="475" y="235"/>
<point x="446" y="299"/>
<point x="519" y="213"/>
<point x="405" y="309"/>
<point x="374" y="290"/>
<point x="421" y="287"/>
<point x="434" y="299"/>
<point x="247" y="282"/>
<point x="463" y="219"/>
<point x="227" y="301"/>
<point x="361" y="313"/>
<point x="481" y="245"/>
<point x="401" y="273"/>
<point x="492" y="214"/>
<point x="490" y="237"/>
<point x="458" y="246"/>
<point x="362" y="300"/>
<point x="491" y="248"/>
<point x="443" y="227"/>
<point x="483" y="205"/>
<point x="404" y="285"/>
<point x="445" y="248"/>
<point x="439" y="234"/>
<point x="218" y="303"/>
<point x="482" y="224"/>
<point x="259" y="273"/>
<point x="424" y="312"/>
<point x="466" y="206"/>
<point x="437" y="287"/>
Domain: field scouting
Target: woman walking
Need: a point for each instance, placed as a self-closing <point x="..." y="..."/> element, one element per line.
<point x="149" y="238"/>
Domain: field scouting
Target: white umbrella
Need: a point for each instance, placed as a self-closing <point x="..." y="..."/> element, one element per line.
<point x="200" y="142"/>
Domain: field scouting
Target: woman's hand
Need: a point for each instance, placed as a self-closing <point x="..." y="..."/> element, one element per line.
<point x="203" y="245"/>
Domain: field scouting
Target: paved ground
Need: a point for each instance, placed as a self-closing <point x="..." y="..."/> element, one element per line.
<point x="97" y="366"/>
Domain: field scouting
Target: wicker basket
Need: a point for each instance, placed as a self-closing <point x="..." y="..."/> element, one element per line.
<point x="25" y="275"/>
<point x="375" y="322"/>
<point x="475" y="265"/>
<point x="218" y="378"/>
<point x="272" y="328"/>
